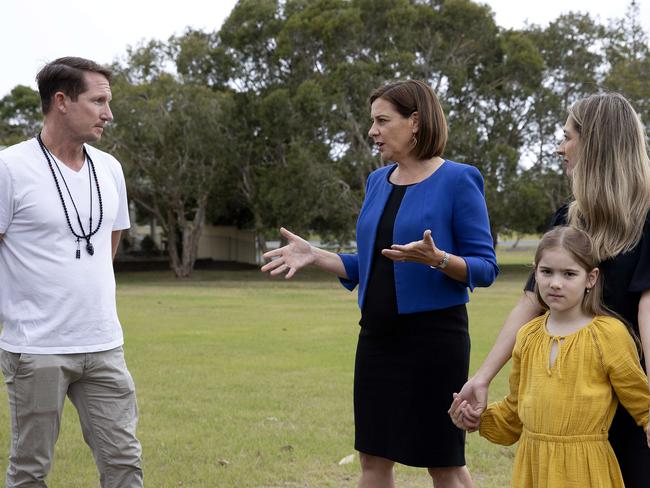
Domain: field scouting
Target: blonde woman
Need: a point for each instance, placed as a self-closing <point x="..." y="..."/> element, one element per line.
<point x="605" y="155"/>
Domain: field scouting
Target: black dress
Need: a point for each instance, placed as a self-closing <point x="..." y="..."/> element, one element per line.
<point x="625" y="277"/>
<point x="407" y="367"/>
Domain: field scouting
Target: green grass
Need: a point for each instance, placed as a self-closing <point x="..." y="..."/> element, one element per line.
<point x="246" y="381"/>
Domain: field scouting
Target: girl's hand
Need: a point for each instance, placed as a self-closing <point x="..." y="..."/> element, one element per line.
<point x="297" y="254"/>
<point x="647" y="434"/>
<point x="423" y="251"/>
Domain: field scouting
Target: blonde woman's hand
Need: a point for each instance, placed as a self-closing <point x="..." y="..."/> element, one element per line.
<point x="460" y="412"/>
<point x="289" y="259"/>
<point x="647" y="434"/>
<point x="423" y="251"/>
<point x="476" y="396"/>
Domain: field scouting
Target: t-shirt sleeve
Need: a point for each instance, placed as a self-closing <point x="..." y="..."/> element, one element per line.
<point x="6" y="197"/>
<point x="641" y="277"/>
<point x="122" y="220"/>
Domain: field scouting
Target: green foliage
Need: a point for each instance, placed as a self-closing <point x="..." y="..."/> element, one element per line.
<point x="629" y="55"/>
<point x="172" y="138"/>
<point x="20" y="115"/>
<point x="264" y="122"/>
<point x="527" y="204"/>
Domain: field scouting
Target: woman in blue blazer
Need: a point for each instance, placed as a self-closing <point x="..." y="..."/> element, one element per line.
<point x="423" y="239"/>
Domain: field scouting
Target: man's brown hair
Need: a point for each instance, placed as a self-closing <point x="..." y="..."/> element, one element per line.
<point x="66" y="75"/>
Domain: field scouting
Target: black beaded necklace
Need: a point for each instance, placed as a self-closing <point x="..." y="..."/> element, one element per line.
<point x="91" y="166"/>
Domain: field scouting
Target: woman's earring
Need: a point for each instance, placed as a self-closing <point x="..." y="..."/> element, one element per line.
<point x="587" y="290"/>
<point x="414" y="141"/>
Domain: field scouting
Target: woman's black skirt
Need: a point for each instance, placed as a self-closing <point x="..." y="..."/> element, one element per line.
<point x="404" y="377"/>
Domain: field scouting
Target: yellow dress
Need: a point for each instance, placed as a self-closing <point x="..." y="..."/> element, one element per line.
<point x="561" y="413"/>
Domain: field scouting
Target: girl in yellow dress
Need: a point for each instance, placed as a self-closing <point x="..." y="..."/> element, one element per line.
<point x="571" y="367"/>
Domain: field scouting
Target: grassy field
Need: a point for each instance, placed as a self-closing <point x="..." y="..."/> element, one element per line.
<point x="246" y="381"/>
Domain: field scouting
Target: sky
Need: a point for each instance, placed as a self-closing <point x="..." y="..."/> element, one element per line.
<point x="37" y="31"/>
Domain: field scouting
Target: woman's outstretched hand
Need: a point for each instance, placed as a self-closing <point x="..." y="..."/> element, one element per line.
<point x="288" y="259"/>
<point x="423" y="251"/>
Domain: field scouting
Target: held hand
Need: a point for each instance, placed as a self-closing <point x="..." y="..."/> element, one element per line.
<point x="460" y="412"/>
<point x="456" y="412"/>
<point x="475" y="394"/>
<point x="423" y="251"/>
<point x="297" y="254"/>
<point x="647" y="434"/>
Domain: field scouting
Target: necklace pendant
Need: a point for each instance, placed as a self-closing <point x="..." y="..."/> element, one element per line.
<point x="90" y="248"/>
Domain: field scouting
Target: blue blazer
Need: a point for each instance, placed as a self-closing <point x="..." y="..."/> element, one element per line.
<point x="451" y="204"/>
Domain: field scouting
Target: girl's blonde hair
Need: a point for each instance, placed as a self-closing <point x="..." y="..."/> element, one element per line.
<point x="580" y="246"/>
<point x="583" y="251"/>
<point x="611" y="176"/>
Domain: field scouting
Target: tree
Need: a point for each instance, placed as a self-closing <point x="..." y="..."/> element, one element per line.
<point x="289" y="175"/>
<point x="628" y="54"/>
<point x="287" y="84"/>
<point x="173" y="141"/>
<point x="337" y="52"/>
<point x="20" y="115"/>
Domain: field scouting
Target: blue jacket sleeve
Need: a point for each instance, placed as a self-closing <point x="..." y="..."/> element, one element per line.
<point x="351" y="263"/>
<point x="472" y="229"/>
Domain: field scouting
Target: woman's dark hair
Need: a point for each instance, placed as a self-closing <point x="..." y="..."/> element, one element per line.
<point x="66" y="75"/>
<point x="417" y="96"/>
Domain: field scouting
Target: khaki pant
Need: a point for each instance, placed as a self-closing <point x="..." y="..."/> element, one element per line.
<point x="102" y="390"/>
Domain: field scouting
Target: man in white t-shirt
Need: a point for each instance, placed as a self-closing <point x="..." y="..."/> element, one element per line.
<point x="63" y="207"/>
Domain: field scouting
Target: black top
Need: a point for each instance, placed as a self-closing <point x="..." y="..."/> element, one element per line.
<point x="625" y="276"/>
<point x="380" y="305"/>
<point x="379" y="310"/>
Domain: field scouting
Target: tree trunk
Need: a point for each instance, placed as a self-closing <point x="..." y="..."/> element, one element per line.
<point x="172" y="245"/>
<point x="495" y="237"/>
<point x="517" y="239"/>
<point x="182" y="260"/>
<point x="191" y="235"/>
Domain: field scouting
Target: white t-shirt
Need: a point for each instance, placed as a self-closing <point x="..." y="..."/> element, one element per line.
<point x="50" y="301"/>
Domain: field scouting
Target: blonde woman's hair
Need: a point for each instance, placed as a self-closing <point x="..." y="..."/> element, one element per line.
<point x="611" y="176"/>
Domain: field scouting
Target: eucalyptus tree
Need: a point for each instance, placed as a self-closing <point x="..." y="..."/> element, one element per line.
<point x="264" y="122"/>
<point x="173" y="140"/>
<point x="20" y="115"/>
<point x="628" y="56"/>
